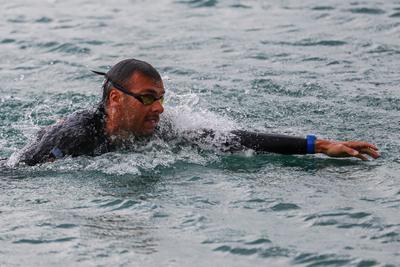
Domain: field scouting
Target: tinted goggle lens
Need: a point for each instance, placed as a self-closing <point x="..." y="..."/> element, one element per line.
<point x="149" y="99"/>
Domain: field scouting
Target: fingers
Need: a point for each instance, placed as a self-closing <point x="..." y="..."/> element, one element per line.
<point x="361" y="156"/>
<point x="370" y="152"/>
<point x="354" y="153"/>
<point x="360" y="145"/>
<point x="363" y="147"/>
<point x="352" y="149"/>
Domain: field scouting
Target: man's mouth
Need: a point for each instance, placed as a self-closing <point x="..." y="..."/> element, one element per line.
<point x="152" y="119"/>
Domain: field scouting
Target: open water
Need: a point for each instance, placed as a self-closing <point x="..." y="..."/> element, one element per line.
<point x="293" y="67"/>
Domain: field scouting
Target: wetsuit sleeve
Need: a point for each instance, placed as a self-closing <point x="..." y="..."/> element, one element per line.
<point x="238" y="140"/>
<point x="275" y="143"/>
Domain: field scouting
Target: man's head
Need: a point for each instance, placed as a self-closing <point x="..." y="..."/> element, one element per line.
<point x="128" y="112"/>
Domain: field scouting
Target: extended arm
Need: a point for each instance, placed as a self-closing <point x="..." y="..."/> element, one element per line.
<point x="283" y="144"/>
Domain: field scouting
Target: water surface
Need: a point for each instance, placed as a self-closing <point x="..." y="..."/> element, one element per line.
<point x="290" y="67"/>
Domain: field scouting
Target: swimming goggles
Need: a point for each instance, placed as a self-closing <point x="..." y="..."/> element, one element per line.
<point x="146" y="99"/>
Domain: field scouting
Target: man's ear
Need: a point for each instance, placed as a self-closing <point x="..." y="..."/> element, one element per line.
<point x="114" y="97"/>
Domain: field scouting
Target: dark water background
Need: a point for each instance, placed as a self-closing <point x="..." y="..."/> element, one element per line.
<point x="295" y="67"/>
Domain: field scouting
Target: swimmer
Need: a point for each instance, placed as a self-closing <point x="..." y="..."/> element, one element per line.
<point x="133" y="95"/>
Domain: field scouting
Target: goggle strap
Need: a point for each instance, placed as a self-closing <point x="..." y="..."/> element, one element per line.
<point x="99" y="73"/>
<point x="123" y="90"/>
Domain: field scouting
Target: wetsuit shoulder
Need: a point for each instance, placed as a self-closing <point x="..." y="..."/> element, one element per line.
<point x="78" y="134"/>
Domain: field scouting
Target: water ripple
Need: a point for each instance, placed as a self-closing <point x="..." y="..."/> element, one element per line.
<point x="7" y="41"/>
<point x="262" y="252"/>
<point x="310" y="259"/>
<point x="43" y="241"/>
<point x="367" y="10"/>
<point x="388" y="237"/>
<point x="44" y="20"/>
<point x="66" y="225"/>
<point x="395" y="15"/>
<point x="323" y="8"/>
<point x="309" y="42"/>
<point x="69" y="48"/>
<point x="285" y="207"/>
<point x="199" y="3"/>
<point x="240" y="6"/>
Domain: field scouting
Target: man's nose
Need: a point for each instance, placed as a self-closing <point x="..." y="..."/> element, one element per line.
<point x="157" y="107"/>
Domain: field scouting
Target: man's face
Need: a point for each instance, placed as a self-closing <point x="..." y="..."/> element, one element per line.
<point x="131" y="116"/>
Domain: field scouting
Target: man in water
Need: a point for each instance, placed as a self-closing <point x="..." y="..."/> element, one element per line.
<point x="133" y="95"/>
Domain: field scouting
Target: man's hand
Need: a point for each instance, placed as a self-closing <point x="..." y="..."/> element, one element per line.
<point x="346" y="149"/>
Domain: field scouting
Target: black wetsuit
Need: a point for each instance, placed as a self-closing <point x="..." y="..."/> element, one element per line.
<point x="82" y="133"/>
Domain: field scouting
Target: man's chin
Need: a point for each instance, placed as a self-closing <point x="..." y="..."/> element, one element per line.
<point x="148" y="131"/>
<point x="148" y="128"/>
<point x="147" y="134"/>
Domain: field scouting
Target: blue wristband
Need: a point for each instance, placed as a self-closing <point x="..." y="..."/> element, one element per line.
<point x="311" y="143"/>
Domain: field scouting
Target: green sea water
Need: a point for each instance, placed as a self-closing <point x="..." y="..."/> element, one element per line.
<point x="293" y="67"/>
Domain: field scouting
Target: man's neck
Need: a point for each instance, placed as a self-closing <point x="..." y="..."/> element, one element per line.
<point x="114" y="132"/>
